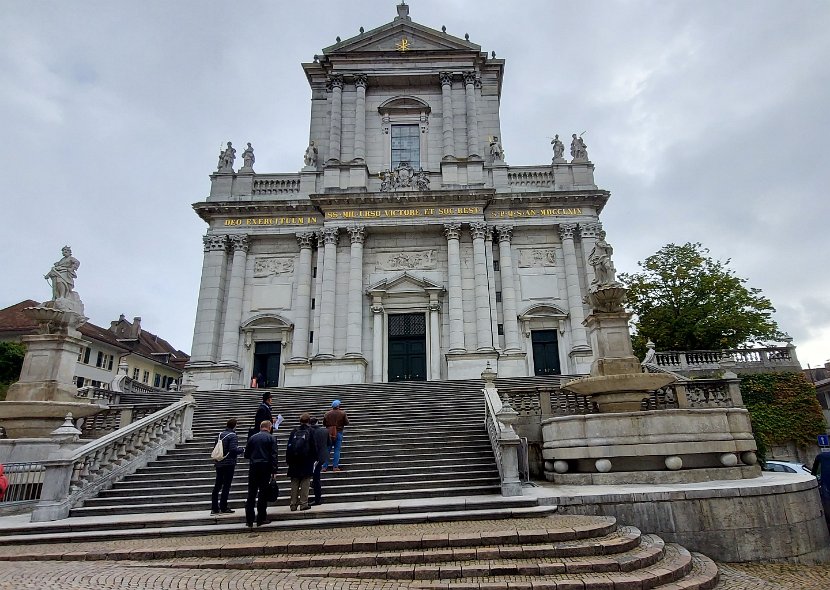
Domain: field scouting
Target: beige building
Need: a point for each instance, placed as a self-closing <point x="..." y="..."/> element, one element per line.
<point x="406" y="247"/>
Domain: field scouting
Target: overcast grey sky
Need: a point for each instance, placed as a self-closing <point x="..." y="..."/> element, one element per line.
<point x="706" y="121"/>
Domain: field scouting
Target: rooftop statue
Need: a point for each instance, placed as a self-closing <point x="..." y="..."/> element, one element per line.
<point x="558" y="150"/>
<point x="62" y="275"/>
<point x="248" y="158"/>
<point x="226" y="159"/>
<point x="310" y="157"/>
<point x="579" y="150"/>
<point x="496" y="150"/>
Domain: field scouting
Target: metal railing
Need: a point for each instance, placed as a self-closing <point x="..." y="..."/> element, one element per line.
<point x="25" y="482"/>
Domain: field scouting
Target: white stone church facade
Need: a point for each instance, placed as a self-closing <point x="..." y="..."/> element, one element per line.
<point x="406" y="248"/>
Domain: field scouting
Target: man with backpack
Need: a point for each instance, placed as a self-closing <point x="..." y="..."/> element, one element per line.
<point x="321" y="438"/>
<point x="300" y="455"/>
<point x="225" y="466"/>
<point x="261" y="451"/>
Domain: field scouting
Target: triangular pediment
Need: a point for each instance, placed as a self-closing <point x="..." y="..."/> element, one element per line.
<point x="399" y="34"/>
<point x="404" y="283"/>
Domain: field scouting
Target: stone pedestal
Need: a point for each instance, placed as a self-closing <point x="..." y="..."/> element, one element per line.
<point x="468" y="365"/>
<point x="338" y="370"/>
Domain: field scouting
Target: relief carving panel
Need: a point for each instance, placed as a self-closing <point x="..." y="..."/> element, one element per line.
<point x="419" y="260"/>
<point x="268" y="267"/>
<point x="537" y="257"/>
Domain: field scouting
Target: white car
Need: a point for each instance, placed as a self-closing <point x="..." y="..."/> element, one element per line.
<point x="786" y="467"/>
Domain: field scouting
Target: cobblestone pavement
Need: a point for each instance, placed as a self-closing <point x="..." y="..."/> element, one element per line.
<point x="103" y="575"/>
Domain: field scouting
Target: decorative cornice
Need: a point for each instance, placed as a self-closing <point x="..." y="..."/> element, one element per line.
<point x="452" y="231"/>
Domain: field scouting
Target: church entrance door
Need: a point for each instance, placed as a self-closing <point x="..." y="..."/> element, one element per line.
<point x="545" y="352"/>
<point x="267" y="362"/>
<point x="407" y="347"/>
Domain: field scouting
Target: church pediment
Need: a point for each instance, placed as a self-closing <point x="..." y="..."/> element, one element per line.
<point x="404" y="283"/>
<point x="401" y="35"/>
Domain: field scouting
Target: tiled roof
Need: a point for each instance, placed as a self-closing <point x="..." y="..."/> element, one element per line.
<point x="12" y="318"/>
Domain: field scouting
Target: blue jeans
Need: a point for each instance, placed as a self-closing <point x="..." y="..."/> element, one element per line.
<point x="336" y="444"/>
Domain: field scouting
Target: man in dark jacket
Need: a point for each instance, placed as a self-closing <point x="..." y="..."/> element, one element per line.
<point x="263" y="413"/>
<point x="225" y="469"/>
<point x="300" y="455"/>
<point x="321" y="439"/>
<point x="261" y="451"/>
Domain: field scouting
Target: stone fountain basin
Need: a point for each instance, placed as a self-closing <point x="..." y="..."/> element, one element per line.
<point x="619" y="393"/>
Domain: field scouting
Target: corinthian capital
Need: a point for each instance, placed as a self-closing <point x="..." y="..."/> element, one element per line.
<point x="452" y="231"/>
<point x="360" y="80"/>
<point x="446" y="78"/>
<point x="566" y="230"/>
<point x="590" y="230"/>
<point x="330" y="235"/>
<point x="305" y="239"/>
<point x="334" y="81"/>
<point x="238" y="242"/>
<point x="357" y="234"/>
<point x="470" y="78"/>
<point x="215" y="243"/>
<point x="478" y="230"/>
<point x="505" y="232"/>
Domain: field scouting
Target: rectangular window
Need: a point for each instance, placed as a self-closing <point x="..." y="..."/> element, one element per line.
<point x="109" y="364"/>
<point x="157" y="381"/>
<point x="498" y="296"/>
<point x="96" y="383"/>
<point x="99" y="362"/>
<point x="496" y="265"/>
<point x="501" y="329"/>
<point x="313" y="303"/>
<point x="311" y="336"/>
<point x="79" y="381"/>
<point x="406" y="145"/>
<point x="135" y="374"/>
<point x="145" y="377"/>
<point x="314" y="273"/>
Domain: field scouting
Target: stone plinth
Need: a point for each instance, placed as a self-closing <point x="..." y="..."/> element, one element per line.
<point x="48" y="369"/>
<point x="642" y="446"/>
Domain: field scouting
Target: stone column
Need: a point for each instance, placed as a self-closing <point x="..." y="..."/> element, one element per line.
<point x="210" y="289"/>
<point x="484" y="327"/>
<point x="434" y="341"/>
<point x="302" y="301"/>
<point x="446" y="119"/>
<point x="578" y="339"/>
<point x="589" y="232"/>
<point x="354" y="329"/>
<point x="471" y="81"/>
<point x="318" y="290"/>
<point x="336" y="129"/>
<point x="508" y="290"/>
<point x="377" y="342"/>
<point x="360" y="118"/>
<point x="233" y="301"/>
<point x="491" y="285"/>
<point x="454" y="293"/>
<point x="328" y="296"/>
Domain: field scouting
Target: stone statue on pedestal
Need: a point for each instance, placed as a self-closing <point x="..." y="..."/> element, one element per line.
<point x="226" y="159"/>
<point x="600" y="259"/>
<point x="496" y="150"/>
<point x="579" y="150"/>
<point x="310" y="157"/>
<point x="558" y="150"/>
<point x="248" y="159"/>
<point x="62" y="275"/>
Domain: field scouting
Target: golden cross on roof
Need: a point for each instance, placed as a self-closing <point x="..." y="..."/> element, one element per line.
<point x="403" y="45"/>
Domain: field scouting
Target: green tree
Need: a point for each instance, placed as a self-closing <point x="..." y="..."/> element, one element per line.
<point x="11" y="361"/>
<point x="683" y="299"/>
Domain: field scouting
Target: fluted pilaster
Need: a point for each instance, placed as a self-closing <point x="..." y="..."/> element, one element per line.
<point x="484" y="327"/>
<point x="447" y="132"/>
<point x="471" y="81"/>
<point x="208" y="312"/>
<point x="454" y="293"/>
<point x="328" y="296"/>
<point x="302" y="301"/>
<point x="354" y="343"/>
<point x="233" y="300"/>
<point x="577" y="313"/>
<point x="360" y="118"/>
<point x="336" y="129"/>
<point x="508" y="289"/>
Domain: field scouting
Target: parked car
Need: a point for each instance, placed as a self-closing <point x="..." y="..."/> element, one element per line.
<point x="821" y="469"/>
<point x="786" y="467"/>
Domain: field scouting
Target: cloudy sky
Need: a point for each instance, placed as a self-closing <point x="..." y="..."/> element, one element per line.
<point x="706" y="120"/>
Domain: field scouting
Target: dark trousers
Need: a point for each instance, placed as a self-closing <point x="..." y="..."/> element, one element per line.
<point x="224" y="476"/>
<point x="259" y="474"/>
<point x="315" y="482"/>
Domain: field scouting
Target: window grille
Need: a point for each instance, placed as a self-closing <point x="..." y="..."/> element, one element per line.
<point x="410" y="324"/>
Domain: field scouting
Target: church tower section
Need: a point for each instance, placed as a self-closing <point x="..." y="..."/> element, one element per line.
<point x="406" y="247"/>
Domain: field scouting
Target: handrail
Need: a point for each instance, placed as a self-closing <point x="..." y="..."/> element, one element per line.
<point x="83" y="472"/>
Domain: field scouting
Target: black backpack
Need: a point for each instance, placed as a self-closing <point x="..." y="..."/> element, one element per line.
<point x="299" y="444"/>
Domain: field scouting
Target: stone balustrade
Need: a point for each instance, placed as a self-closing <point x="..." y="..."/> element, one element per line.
<point x="82" y="473"/>
<point x="504" y="440"/>
<point x="114" y="417"/>
<point x="529" y="177"/>
<point x="100" y="394"/>
<point x="746" y="360"/>
<point x="276" y="184"/>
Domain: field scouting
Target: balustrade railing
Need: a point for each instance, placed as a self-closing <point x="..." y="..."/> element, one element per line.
<point x="276" y="184"/>
<point x="503" y="439"/>
<point x="25" y="481"/>
<point x="530" y="177"/>
<point x="710" y="360"/>
<point x="81" y="474"/>
<point x="98" y="393"/>
<point x="114" y="417"/>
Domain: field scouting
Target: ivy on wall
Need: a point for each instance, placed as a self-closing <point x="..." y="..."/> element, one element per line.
<point x="783" y="407"/>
